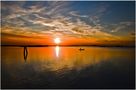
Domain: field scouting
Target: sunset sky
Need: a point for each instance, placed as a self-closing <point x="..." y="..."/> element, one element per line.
<point x="73" y="22"/>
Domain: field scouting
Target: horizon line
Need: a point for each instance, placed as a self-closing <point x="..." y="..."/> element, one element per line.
<point x="66" y="45"/>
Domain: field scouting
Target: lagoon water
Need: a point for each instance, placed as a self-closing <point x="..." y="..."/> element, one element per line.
<point x="68" y="67"/>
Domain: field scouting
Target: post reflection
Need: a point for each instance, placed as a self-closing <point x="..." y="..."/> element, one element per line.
<point x="25" y="53"/>
<point x="57" y="49"/>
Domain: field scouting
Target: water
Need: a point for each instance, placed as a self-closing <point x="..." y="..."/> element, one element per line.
<point x="68" y="67"/>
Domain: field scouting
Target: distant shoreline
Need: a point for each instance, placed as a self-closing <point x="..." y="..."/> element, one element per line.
<point x="63" y="46"/>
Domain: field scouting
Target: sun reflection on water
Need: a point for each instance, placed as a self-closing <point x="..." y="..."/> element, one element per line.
<point x="57" y="58"/>
<point x="57" y="49"/>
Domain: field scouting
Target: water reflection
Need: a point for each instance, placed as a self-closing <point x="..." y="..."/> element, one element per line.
<point x="57" y="49"/>
<point x="94" y="67"/>
<point x="25" y="53"/>
<point x="71" y="58"/>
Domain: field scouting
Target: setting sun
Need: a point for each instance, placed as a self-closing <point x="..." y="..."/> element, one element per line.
<point x="68" y="44"/>
<point x="57" y="40"/>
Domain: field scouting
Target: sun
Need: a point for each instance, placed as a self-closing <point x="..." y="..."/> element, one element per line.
<point x="57" y="40"/>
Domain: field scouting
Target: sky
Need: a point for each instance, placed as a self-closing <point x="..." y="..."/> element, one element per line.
<point x="73" y="22"/>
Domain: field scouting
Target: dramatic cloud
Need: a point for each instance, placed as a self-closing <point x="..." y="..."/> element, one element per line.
<point x="52" y="18"/>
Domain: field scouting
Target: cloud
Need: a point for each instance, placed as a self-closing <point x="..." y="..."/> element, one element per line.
<point x="74" y="13"/>
<point x="121" y="26"/>
<point x="117" y="29"/>
<point x="97" y="13"/>
<point x="62" y="26"/>
<point x="42" y="23"/>
<point x="14" y="11"/>
<point x="56" y="19"/>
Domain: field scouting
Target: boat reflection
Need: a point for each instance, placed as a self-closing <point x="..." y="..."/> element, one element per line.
<point x="57" y="49"/>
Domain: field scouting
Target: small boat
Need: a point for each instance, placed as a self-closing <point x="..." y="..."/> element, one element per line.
<point x="81" y="49"/>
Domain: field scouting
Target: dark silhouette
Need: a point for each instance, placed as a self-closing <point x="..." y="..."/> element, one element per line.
<point x="25" y="53"/>
<point x="81" y="49"/>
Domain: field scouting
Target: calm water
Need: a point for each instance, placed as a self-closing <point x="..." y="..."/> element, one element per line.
<point x="67" y="67"/>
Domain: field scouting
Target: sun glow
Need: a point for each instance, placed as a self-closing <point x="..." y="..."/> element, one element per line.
<point x="57" y="40"/>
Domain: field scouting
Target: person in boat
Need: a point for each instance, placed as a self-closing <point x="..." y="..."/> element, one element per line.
<point x="81" y="49"/>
